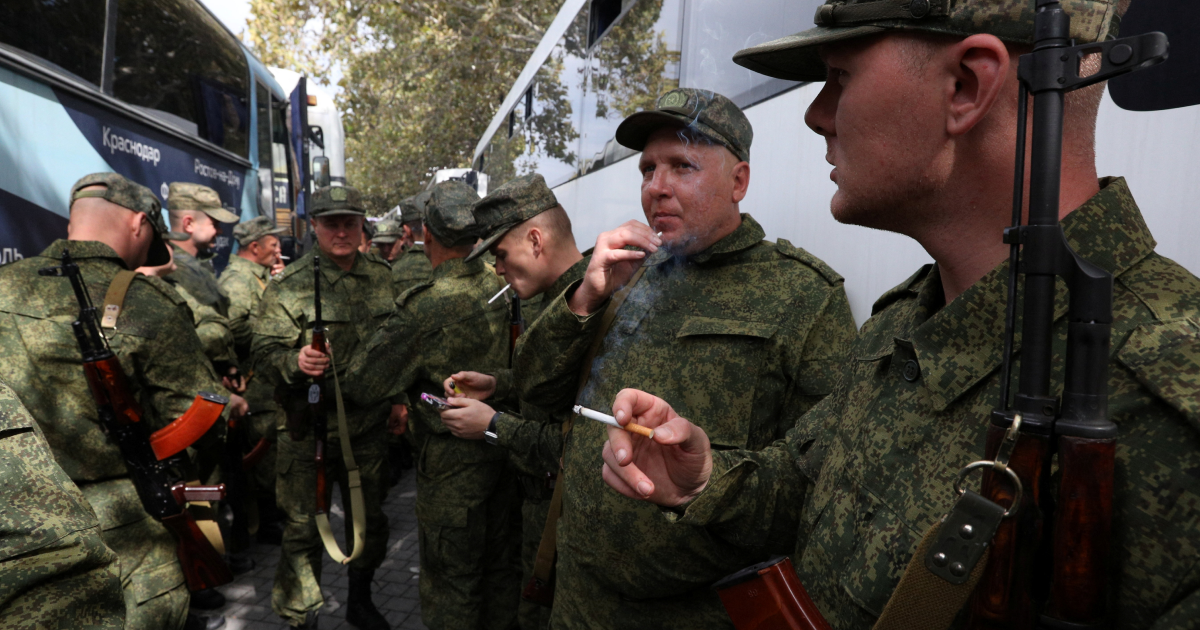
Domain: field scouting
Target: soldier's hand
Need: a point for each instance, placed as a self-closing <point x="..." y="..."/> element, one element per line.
<point x="238" y="407"/>
<point x="277" y="266"/>
<point x="612" y="265"/>
<point x="669" y="470"/>
<point x="471" y="384"/>
<point x="398" y="420"/>
<point x="468" y="418"/>
<point x="313" y="362"/>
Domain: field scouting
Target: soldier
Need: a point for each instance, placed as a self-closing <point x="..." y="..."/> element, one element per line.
<point x="368" y="233"/>
<point x="735" y="328"/>
<point x="466" y="505"/>
<point x="55" y="571"/>
<point x="194" y="211"/>
<point x="115" y="225"/>
<point x="412" y="266"/>
<point x="388" y="239"/>
<point x="244" y="281"/>
<point x="356" y="295"/>
<point x="535" y="250"/>
<point x="861" y="478"/>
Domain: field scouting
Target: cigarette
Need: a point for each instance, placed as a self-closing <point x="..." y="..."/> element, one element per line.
<point x="282" y="257"/>
<point x="658" y="234"/>
<point x="611" y="421"/>
<point x="499" y="294"/>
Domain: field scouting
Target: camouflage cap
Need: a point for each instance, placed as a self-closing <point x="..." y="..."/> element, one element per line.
<point x="185" y="196"/>
<point x="135" y="197"/>
<point x="510" y="205"/>
<point x="334" y="200"/>
<point x="412" y="209"/>
<point x="387" y="231"/>
<point x="709" y="113"/>
<point x="796" y="57"/>
<point x="448" y="214"/>
<point x="247" y="232"/>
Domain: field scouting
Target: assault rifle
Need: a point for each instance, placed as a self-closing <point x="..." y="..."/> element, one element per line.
<point x="1048" y="566"/>
<point x="316" y="391"/>
<point x="149" y="457"/>
<point x="516" y="326"/>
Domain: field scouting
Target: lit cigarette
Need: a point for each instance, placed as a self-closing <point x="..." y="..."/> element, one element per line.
<point x="611" y="421"/>
<point x="499" y="294"/>
<point x="282" y="257"/>
<point x="658" y="234"/>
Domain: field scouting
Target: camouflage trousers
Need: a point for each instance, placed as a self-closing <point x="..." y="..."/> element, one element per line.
<point x="580" y="601"/>
<point x="262" y="477"/>
<point x="156" y="595"/>
<point x="466" y="515"/>
<point x="533" y="521"/>
<point x="297" y="588"/>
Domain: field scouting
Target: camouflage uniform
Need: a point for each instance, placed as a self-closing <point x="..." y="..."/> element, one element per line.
<point x="196" y="275"/>
<point x="157" y="345"/>
<point x="735" y="334"/>
<point x="353" y="304"/>
<point x="865" y="473"/>
<point x="55" y="571"/>
<point x="465" y="502"/>
<point x="244" y="281"/>
<point x="412" y="267"/>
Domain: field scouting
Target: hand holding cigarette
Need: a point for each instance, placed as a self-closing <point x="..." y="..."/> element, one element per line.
<point x="671" y="467"/>
<point x="645" y="432"/>
<point x="612" y="265"/>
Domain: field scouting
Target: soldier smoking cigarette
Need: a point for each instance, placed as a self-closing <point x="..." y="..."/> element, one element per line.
<point x="499" y="294"/>
<point x="609" y="420"/>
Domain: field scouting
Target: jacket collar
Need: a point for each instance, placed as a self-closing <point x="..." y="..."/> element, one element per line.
<point x="259" y="271"/>
<point x="961" y="343"/>
<point x="573" y="273"/>
<point x="456" y="267"/>
<point x="81" y="250"/>
<point x="747" y="235"/>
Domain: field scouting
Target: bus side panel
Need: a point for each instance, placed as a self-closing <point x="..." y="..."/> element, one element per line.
<point x="25" y="228"/>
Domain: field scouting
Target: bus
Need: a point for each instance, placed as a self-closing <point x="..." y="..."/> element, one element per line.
<point x="600" y="60"/>
<point x="156" y="90"/>
<point x="326" y="136"/>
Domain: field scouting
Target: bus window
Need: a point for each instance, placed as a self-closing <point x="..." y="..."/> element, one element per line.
<point x="281" y="165"/>
<point x="67" y="33"/>
<point x="266" y="176"/>
<point x="179" y="64"/>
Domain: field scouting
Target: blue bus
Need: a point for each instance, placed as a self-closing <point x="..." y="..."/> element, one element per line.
<point x="157" y="90"/>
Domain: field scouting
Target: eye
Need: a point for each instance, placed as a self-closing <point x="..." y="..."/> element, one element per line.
<point x="647" y="169"/>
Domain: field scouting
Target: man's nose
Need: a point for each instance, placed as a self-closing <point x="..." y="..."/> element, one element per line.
<point x="822" y="112"/>
<point x="658" y="185"/>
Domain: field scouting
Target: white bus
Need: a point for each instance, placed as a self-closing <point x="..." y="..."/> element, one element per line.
<point x="603" y="59"/>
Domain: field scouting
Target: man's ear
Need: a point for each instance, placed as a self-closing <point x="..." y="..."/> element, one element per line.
<point x="978" y="68"/>
<point x="741" y="181"/>
<point x="187" y="223"/>
<point x="536" y="241"/>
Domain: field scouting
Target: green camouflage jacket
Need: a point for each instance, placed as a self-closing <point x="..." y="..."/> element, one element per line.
<point x="353" y="304"/>
<point x="55" y="571"/>
<point x="738" y="335"/>
<point x="196" y="277"/>
<point x="212" y="328"/>
<point x="860" y="478"/>
<point x="244" y="282"/>
<point x="411" y="268"/>
<point x="155" y="340"/>
<point x="439" y="327"/>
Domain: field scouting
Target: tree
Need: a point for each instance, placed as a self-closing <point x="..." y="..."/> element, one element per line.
<point x="419" y="80"/>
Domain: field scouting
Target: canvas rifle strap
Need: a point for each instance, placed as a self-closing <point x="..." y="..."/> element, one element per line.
<point x="547" y="551"/>
<point x="358" y="512"/>
<point x="114" y="298"/>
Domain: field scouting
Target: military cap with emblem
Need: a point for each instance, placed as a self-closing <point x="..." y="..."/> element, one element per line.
<point x="247" y="232"/>
<point x="135" y="197"/>
<point x="186" y="196"/>
<point x="387" y="231"/>
<point x="510" y="205"/>
<point x="711" y="114"/>
<point x="334" y="200"/>
<point x="796" y="57"/>
<point x="448" y="214"/>
<point x="412" y="209"/>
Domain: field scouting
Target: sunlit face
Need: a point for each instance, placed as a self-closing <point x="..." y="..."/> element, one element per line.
<point x="521" y="263"/>
<point x="267" y="250"/>
<point x="884" y="128"/>
<point x="203" y="230"/>
<point x="687" y="190"/>
<point x="339" y="235"/>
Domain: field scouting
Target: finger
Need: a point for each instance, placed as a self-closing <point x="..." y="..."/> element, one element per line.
<point x="448" y="384"/>
<point x="621" y="443"/>
<point x="630" y="475"/>
<point x="635" y="404"/>
<point x="618" y="484"/>
<point x="687" y="436"/>
<point x="617" y="256"/>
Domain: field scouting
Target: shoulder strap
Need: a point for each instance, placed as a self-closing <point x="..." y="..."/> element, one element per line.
<point x="114" y="299"/>
<point x="548" y="549"/>
<point x="358" y="512"/>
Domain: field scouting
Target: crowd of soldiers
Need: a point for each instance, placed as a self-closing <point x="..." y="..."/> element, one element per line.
<point x="778" y="426"/>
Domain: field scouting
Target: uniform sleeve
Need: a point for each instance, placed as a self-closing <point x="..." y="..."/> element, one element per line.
<point x="550" y="354"/>
<point x="241" y="301"/>
<point x="212" y="328"/>
<point x="385" y="369"/>
<point x="504" y="386"/>
<point x="276" y="340"/>
<point x="55" y="571"/>
<point x="533" y="440"/>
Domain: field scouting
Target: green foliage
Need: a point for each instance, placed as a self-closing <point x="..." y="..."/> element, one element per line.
<point x="419" y="80"/>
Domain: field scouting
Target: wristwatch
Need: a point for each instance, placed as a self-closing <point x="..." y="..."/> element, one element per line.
<point x="490" y="436"/>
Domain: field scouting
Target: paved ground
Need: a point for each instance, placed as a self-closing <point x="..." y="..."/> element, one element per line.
<point x="395" y="587"/>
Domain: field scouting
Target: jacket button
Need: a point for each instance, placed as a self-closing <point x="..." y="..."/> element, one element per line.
<point x="912" y="371"/>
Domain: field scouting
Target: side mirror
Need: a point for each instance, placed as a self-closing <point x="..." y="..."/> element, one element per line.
<point x="320" y="170"/>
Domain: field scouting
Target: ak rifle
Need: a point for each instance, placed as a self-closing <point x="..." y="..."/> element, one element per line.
<point x="1048" y="565"/>
<point x="151" y="458"/>
<point x="316" y="391"/>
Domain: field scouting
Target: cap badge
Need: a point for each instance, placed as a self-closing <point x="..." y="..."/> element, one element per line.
<point x="337" y="193"/>
<point x="674" y="99"/>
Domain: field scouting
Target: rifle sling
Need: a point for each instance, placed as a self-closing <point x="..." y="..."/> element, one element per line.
<point x="114" y="298"/>
<point x="358" y="511"/>
<point x="547" y="552"/>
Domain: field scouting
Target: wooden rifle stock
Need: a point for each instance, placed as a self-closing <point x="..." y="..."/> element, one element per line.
<point x="516" y="326"/>
<point x="769" y="596"/>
